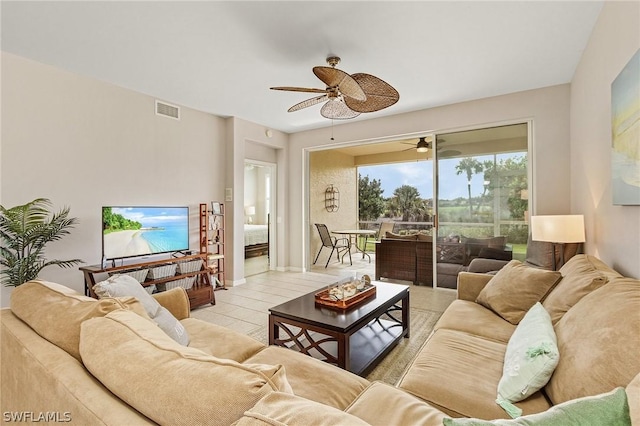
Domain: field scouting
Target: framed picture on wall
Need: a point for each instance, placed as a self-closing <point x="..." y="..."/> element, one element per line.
<point x="625" y="134"/>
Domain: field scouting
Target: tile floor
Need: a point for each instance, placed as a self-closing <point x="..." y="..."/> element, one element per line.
<point x="245" y="307"/>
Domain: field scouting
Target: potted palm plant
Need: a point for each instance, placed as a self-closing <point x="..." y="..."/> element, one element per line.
<point x="25" y="231"/>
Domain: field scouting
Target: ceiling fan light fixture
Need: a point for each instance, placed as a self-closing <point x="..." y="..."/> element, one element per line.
<point x="422" y="146"/>
<point x="336" y="109"/>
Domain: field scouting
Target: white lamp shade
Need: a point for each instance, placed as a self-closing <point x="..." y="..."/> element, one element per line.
<point x="250" y="211"/>
<point x="558" y="228"/>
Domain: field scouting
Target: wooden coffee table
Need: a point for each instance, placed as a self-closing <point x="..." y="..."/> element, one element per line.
<point x="355" y="339"/>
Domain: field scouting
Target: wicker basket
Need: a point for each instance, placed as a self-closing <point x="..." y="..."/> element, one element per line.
<point x="188" y="267"/>
<point x="162" y="271"/>
<point x="150" y="288"/>
<point x="185" y="283"/>
<point x="140" y="275"/>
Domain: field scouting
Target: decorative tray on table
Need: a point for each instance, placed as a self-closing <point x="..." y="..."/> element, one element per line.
<point x="345" y="294"/>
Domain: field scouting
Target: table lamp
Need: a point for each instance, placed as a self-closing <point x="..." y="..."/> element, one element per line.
<point x="250" y="211"/>
<point x="558" y="230"/>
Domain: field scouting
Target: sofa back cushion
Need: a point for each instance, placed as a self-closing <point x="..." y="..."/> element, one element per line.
<point x="280" y="408"/>
<point x="515" y="289"/>
<point x="168" y="382"/>
<point x="55" y="312"/>
<point x="474" y="245"/>
<point x="599" y="342"/>
<point x="581" y="275"/>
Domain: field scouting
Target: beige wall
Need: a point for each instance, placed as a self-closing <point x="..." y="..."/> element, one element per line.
<point x="337" y="169"/>
<point x="86" y="144"/>
<point x="547" y="108"/>
<point x="613" y="232"/>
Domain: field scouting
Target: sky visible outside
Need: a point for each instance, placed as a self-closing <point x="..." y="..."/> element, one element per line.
<point x="419" y="174"/>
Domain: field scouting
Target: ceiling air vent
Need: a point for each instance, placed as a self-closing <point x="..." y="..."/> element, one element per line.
<point x="167" y="110"/>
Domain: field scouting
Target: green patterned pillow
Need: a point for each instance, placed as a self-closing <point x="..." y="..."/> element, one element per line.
<point x="530" y="358"/>
<point x="609" y="408"/>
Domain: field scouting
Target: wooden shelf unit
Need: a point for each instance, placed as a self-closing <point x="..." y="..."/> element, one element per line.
<point x="212" y="241"/>
<point x="200" y="293"/>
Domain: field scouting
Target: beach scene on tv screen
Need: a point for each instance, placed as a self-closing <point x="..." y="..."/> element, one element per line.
<point x="138" y="231"/>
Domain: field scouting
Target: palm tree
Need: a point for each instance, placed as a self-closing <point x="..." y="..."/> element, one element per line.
<point x="24" y="231"/>
<point x="405" y="201"/>
<point x="470" y="166"/>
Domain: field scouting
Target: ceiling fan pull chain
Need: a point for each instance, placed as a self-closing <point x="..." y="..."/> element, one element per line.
<point x="332" y="129"/>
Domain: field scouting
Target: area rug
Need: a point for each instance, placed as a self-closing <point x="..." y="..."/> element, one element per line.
<point x="393" y="365"/>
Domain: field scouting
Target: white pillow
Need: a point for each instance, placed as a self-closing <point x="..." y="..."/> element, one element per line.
<point x="529" y="361"/>
<point x="124" y="285"/>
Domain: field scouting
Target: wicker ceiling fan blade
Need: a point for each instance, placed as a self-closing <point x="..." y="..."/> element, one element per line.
<point x="337" y="110"/>
<point x="380" y="94"/>
<point x="308" y="103"/>
<point x="299" y="89"/>
<point x="333" y="77"/>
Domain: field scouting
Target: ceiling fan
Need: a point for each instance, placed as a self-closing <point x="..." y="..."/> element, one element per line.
<point x="346" y="95"/>
<point x="424" y="146"/>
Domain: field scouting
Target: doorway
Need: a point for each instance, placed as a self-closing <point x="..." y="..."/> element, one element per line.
<point x="259" y="209"/>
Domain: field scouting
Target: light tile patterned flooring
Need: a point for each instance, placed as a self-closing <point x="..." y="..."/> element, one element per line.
<point x="245" y="308"/>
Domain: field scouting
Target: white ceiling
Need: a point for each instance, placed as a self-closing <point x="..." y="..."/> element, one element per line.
<point x="222" y="57"/>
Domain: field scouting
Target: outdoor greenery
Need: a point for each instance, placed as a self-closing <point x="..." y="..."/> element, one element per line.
<point x="372" y="204"/>
<point x="25" y="231"/>
<point x="504" y="180"/>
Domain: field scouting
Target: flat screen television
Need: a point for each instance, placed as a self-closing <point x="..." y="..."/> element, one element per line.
<point x="139" y="231"/>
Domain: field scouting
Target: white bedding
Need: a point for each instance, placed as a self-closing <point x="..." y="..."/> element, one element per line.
<point x="255" y="234"/>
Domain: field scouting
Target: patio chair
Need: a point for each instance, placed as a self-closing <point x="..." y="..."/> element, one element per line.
<point x="341" y="245"/>
<point x="384" y="228"/>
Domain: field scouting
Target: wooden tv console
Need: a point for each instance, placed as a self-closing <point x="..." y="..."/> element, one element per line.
<point x="200" y="293"/>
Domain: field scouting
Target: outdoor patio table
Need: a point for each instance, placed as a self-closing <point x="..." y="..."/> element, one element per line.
<point x="353" y="235"/>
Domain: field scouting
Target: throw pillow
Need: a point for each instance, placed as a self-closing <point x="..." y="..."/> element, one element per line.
<point x="124" y="285"/>
<point x="579" y="278"/>
<point x="515" y="289"/>
<point x="611" y="408"/>
<point x="530" y="358"/>
<point x="169" y="383"/>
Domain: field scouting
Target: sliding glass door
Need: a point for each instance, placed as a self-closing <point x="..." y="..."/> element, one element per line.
<point x="482" y="198"/>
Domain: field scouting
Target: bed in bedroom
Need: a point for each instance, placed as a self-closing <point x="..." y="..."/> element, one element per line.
<point x="256" y="240"/>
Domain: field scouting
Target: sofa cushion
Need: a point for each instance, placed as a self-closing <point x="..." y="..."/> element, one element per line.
<point x="124" y="285"/>
<point x="515" y="289"/>
<point x="392" y="236"/>
<point x="495" y="253"/>
<point x="579" y="278"/>
<point x="382" y="404"/>
<point x="531" y="357"/>
<point x="279" y="408"/>
<point x="221" y="342"/>
<point x="610" y="408"/>
<point x="168" y="382"/>
<point x="313" y="379"/>
<point x="475" y="245"/>
<point x="472" y="318"/>
<point x="55" y="312"/>
<point x="446" y="373"/>
<point x="599" y="342"/>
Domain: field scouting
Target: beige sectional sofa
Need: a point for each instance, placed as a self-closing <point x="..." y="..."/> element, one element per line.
<point x="69" y="357"/>
<point x="596" y="317"/>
